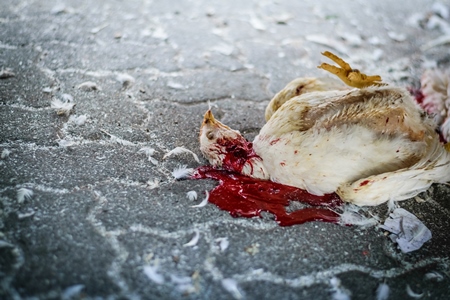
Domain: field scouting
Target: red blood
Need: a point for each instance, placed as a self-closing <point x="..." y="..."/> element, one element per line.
<point x="365" y="182"/>
<point x="417" y="93"/>
<point x="248" y="197"/>
<point x="237" y="152"/>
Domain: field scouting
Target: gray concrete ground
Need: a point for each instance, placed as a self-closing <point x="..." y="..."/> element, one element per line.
<point x="104" y="222"/>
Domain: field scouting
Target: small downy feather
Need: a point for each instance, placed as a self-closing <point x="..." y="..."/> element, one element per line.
<point x="231" y="286"/>
<point x="192" y="195"/>
<point x="182" y="172"/>
<point x="382" y="291"/>
<point x="413" y="294"/>
<point x="5" y="153"/>
<point x="152" y="273"/>
<point x="351" y="216"/>
<point x="89" y="86"/>
<point x="72" y="292"/>
<point x="181" y="150"/>
<point x="339" y="292"/>
<point x="223" y="243"/>
<point x="62" y="108"/>
<point x="194" y="239"/>
<point x="204" y="202"/>
<point x="149" y="153"/>
<point x="24" y="194"/>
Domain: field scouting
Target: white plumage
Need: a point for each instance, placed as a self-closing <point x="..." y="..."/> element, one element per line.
<point x="369" y="145"/>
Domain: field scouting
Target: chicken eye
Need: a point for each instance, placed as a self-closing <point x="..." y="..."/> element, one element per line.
<point x="210" y="135"/>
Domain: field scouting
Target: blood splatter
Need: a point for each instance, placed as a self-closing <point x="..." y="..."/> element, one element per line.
<point x="248" y="197"/>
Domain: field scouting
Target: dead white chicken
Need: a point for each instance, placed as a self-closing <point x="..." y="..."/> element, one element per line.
<point x="368" y="145"/>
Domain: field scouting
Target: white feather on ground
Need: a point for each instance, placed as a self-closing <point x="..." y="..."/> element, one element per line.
<point x="5" y="153"/>
<point x="192" y="195"/>
<point x="78" y="120"/>
<point x="181" y="172"/>
<point x="382" y="291"/>
<point x="223" y="243"/>
<point x="194" y="240"/>
<point x="62" y="108"/>
<point x="204" y="202"/>
<point x="181" y="150"/>
<point x="148" y="151"/>
<point x="152" y="273"/>
<point x="351" y="216"/>
<point x="231" y="286"/>
<point x="125" y="79"/>
<point x="339" y="292"/>
<point x="72" y="292"/>
<point x="24" y="194"/>
<point x="413" y="294"/>
<point x="89" y="86"/>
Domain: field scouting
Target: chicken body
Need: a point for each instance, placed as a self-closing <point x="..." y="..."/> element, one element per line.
<point x="369" y="145"/>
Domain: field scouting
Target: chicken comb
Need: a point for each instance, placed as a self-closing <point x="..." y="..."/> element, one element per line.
<point x="351" y="77"/>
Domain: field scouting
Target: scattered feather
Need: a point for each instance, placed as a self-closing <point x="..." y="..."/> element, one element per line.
<point x="223" y="243"/>
<point x="224" y="49"/>
<point x="152" y="273"/>
<point x="382" y="292"/>
<point x="192" y="195"/>
<point x="78" y="120"/>
<point x="96" y="30"/>
<point x="257" y="23"/>
<point x="181" y="150"/>
<point x="434" y="276"/>
<point x="5" y="153"/>
<point x="175" y="85"/>
<point x="407" y="230"/>
<point x="67" y="97"/>
<point x="204" y="202"/>
<point x="231" y="286"/>
<point x="183" y="284"/>
<point x="391" y="205"/>
<point x="398" y="37"/>
<point x="117" y="140"/>
<point x="24" y="194"/>
<point x="59" y="9"/>
<point x="440" y="41"/>
<point x="153" y="184"/>
<point x="413" y="294"/>
<point x="194" y="240"/>
<point x="47" y="90"/>
<point x="339" y="292"/>
<point x="72" y="292"/>
<point x="62" y="108"/>
<point x="350" y="216"/>
<point x="25" y="215"/>
<point x="148" y="151"/>
<point x="182" y="172"/>
<point x="6" y="73"/>
<point x="125" y="79"/>
<point x="89" y="86"/>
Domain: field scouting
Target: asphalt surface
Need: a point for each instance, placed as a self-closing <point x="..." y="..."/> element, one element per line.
<point x="84" y="212"/>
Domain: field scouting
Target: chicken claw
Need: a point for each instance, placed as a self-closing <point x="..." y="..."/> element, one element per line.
<point x="349" y="76"/>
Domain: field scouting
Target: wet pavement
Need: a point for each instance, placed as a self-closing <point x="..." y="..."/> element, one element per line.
<point x="89" y="208"/>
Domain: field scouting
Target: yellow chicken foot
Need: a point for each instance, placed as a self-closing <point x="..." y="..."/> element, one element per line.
<point x="351" y="77"/>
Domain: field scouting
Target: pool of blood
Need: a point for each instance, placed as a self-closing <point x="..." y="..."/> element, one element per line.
<point x="248" y="197"/>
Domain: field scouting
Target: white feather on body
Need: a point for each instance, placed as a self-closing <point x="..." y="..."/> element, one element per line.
<point x="342" y="151"/>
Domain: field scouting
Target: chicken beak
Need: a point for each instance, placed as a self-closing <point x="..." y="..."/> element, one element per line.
<point x="209" y="118"/>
